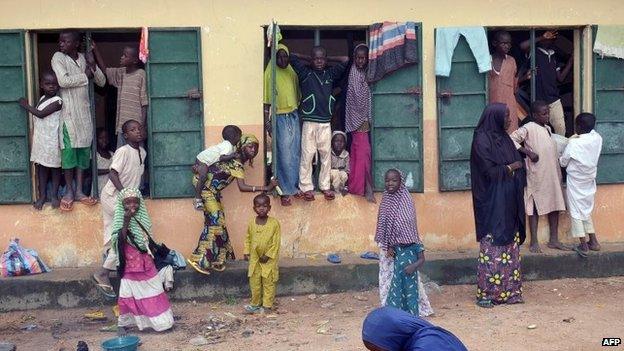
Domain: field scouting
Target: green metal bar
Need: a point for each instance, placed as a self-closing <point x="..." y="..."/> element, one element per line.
<point x="582" y="70"/>
<point x="532" y="65"/>
<point x="273" y="100"/>
<point x="317" y="37"/>
<point x="94" y="169"/>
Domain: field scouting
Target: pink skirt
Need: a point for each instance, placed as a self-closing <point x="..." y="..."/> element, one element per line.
<point x="142" y="300"/>
<point x="360" y="163"/>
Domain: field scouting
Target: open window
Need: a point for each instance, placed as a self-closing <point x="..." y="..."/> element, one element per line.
<point x="463" y="95"/>
<point x="396" y="131"/>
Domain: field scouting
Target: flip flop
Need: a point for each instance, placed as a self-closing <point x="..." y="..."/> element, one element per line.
<point x="308" y="196"/>
<point x="334" y="258"/>
<point x="197" y="267"/>
<point x="580" y="252"/>
<point x="66" y="205"/>
<point x="88" y="201"/>
<point x="299" y="195"/>
<point x="104" y="289"/>
<point x="218" y="267"/>
<point x="286" y="201"/>
<point x="369" y="255"/>
<point x="485" y="304"/>
<point x="329" y="195"/>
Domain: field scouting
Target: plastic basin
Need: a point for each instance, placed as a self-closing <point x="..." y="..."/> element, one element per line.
<point x="124" y="343"/>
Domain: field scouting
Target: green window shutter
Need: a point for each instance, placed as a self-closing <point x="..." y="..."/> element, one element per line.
<point x="458" y="115"/>
<point x="15" y="183"/>
<point x="397" y="125"/>
<point x="175" y="112"/>
<point x="609" y="110"/>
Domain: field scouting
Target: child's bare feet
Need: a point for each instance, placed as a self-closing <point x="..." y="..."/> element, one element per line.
<point x="38" y="205"/>
<point x="55" y="202"/>
<point x="535" y="248"/>
<point x="593" y="244"/>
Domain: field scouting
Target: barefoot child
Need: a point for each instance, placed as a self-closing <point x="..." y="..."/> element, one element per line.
<point x="262" y="246"/>
<point x="543" y="194"/>
<point x="46" y="148"/>
<point x="397" y="236"/>
<point x="129" y="80"/>
<point x="73" y="73"/>
<point x="104" y="157"/>
<point x="339" y="173"/>
<point x="126" y="171"/>
<point x="502" y="79"/>
<point x="580" y="158"/>
<point x="357" y="122"/>
<point x="142" y="300"/>
<point x="223" y="152"/>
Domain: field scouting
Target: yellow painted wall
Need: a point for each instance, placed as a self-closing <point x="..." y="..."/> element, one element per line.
<point x="232" y="42"/>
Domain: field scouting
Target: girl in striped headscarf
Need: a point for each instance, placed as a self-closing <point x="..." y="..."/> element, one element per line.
<point x="142" y="300"/>
<point x="402" y="252"/>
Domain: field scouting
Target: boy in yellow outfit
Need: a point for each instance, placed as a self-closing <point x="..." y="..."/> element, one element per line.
<point x="262" y="246"/>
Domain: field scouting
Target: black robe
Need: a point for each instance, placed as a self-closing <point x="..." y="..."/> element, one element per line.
<point x="498" y="197"/>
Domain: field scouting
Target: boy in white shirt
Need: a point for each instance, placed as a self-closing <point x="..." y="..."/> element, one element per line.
<point x="580" y="158"/>
<point x="224" y="151"/>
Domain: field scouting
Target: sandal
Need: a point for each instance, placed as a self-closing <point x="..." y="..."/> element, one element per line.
<point x="334" y="258"/>
<point x="299" y="195"/>
<point x="104" y="289"/>
<point x="218" y="267"/>
<point x="88" y="201"/>
<point x="580" y="251"/>
<point x="308" y="196"/>
<point x="286" y="201"/>
<point x="485" y="303"/>
<point x="197" y="267"/>
<point x="329" y="195"/>
<point x="66" y="205"/>
<point x="369" y="255"/>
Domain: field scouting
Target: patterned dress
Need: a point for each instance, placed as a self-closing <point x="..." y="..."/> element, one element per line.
<point x="498" y="272"/>
<point x="214" y="246"/>
<point x="403" y="292"/>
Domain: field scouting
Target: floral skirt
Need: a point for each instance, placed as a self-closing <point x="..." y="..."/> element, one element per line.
<point x="498" y="272"/>
<point x="214" y="246"/>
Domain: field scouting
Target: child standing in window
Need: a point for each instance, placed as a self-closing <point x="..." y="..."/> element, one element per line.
<point x="46" y="147"/>
<point x="316" y="107"/>
<point x="262" y="246"/>
<point x="397" y="237"/>
<point x="543" y="194"/>
<point x="357" y="122"/>
<point x="339" y="173"/>
<point x="129" y="80"/>
<point x="580" y="158"/>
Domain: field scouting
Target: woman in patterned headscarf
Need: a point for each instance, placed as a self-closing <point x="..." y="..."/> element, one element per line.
<point x="397" y="237"/>
<point x="214" y="246"/>
<point x="142" y="300"/>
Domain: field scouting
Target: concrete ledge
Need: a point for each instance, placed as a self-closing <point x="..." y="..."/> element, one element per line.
<point x="72" y="287"/>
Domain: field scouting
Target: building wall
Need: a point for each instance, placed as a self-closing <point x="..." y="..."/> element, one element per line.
<point x="232" y="42"/>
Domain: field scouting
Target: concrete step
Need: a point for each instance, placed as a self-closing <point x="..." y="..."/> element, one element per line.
<point x="72" y="287"/>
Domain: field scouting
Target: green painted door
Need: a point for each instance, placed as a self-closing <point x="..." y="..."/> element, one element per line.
<point x="15" y="183"/>
<point x="609" y="110"/>
<point x="397" y="125"/>
<point x="461" y="98"/>
<point x="175" y="112"/>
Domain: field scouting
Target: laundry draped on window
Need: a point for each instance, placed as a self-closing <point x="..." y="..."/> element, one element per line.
<point x="392" y="46"/>
<point x="446" y="41"/>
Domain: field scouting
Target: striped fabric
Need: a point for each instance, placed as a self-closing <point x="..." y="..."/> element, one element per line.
<point x="396" y="221"/>
<point x="142" y="300"/>
<point x="131" y="95"/>
<point x="392" y="46"/>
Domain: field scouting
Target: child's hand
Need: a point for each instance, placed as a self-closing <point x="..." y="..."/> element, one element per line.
<point x="23" y="102"/>
<point x="264" y="259"/>
<point x="410" y="269"/>
<point x="246" y="257"/>
<point x="272" y="184"/>
<point x="516" y="165"/>
<point x="533" y="156"/>
<point x="390" y="253"/>
<point x="128" y="214"/>
<point x="549" y="35"/>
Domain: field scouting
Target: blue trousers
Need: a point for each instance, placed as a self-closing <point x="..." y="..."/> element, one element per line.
<point x="288" y="139"/>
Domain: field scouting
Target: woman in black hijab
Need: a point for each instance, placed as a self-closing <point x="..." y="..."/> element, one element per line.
<point x="498" y="180"/>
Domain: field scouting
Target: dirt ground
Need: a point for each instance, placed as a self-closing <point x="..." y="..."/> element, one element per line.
<point x="569" y="314"/>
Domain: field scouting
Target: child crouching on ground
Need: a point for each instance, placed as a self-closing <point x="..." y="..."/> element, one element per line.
<point x="339" y="173"/>
<point x="397" y="236"/>
<point x="224" y="151"/>
<point x="262" y="251"/>
<point x="580" y="158"/>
